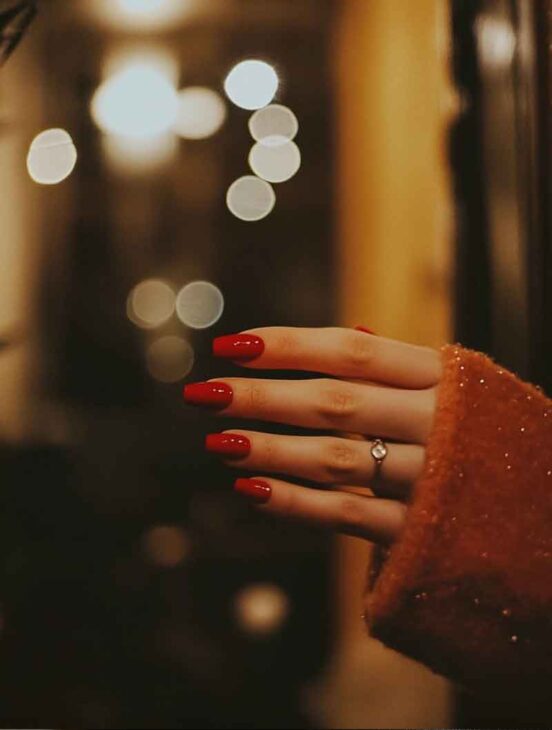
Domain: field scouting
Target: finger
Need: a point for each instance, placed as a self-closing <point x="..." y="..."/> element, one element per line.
<point x="334" y="351"/>
<point x="372" y="518"/>
<point x="326" y="459"/>
<point x="325" y="404"/>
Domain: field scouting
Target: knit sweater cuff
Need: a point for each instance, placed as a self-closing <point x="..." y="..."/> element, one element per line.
<point x="467" y="590"/>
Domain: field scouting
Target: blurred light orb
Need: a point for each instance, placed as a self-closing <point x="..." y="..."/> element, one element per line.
<point x="201" y="113"/>
<point x="274" y="125"/>
<point x="138" y="101"/>
<point x="151" y="303"/>
<point x="200" y="305"/>
<point x="497" y="41"/>
<point x="169" y="359"/>
<point x="139" y="155"/>
<point x="166" y="546"/>
<point x="251" y="84"/>
<point x="152" y="55"/>
<point x="261" y="609"/>
<point x="275" y="164"/>
<point x="52" y="157"/>
<point x="250" y="199"/>
<point x="142" y="7"/>
<point x="141" y="14"/>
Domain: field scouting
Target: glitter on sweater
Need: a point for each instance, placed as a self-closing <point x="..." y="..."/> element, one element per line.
<point x="477" y="541"/>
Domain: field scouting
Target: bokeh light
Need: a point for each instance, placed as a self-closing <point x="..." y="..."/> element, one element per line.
<point x="151" y="303"/>
<point x="275" y="164"/>
<point x="496" y="40"/>
<point x="261" y="609"/>
<point x="250" y="198"/>
<point x="251" y="84"/>
<point x="141" y="14"/>
<point x="166" y="546"/>
<point x="52" y="157"/>
<point x="199" y="305"/>
<point x="201" y="113"/>
<point x="136" y="101"/>
<point x="274" y="125"/>
<point x="143" y="8"/>
<point x="139" y="155"/>
<point x="156" y="57"/>
<point x="169" y="359"/>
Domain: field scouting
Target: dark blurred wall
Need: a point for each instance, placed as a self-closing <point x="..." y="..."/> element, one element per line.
<point x="123" y="550"/>
<point x="502" y="166"/>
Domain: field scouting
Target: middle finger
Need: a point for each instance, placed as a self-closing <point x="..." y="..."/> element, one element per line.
<point x="322" y="404"/>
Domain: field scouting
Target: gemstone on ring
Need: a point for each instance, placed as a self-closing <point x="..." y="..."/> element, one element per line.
<point x="378" y="450"/>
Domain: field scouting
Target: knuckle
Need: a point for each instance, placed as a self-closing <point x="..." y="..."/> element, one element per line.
<point x="270" y="451"/>
<point x="288" y="503"/>
<point x="256" y="397"/>
<point x="358" y="351"/>
<point x="284" y="342"/>
<point x="340" y="461"/>
<point x="349" y="513"/>
<point x="424" y="404"/>
<point x="336" y="401"/>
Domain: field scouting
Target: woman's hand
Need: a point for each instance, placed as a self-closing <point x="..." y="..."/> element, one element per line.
<point x="378" y="388"/>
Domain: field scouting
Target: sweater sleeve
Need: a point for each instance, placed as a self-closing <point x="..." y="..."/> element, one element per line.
<point x="467" y="590"/>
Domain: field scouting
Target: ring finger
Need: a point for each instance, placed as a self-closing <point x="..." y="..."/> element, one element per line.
<point x="326" y="460"/>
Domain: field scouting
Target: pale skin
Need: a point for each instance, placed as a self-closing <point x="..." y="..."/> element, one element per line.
<point x="362" y="385"/>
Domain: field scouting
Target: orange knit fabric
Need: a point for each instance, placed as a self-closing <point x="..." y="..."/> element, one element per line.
<point x="467" y="590"/>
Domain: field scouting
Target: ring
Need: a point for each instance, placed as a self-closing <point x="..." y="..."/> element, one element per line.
<point x="378" y="451"/>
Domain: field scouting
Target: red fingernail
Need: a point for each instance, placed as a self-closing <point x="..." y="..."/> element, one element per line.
<point x="255" y="489"/>
<point x="230" y="445"/>
<point x="365" y="329"/>
<point x="240" y="347"/>
<point x="211" y="395"/>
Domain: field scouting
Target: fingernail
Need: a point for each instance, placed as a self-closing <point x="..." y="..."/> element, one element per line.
<point x="255" y="489"/>
<point x="230" y="445"/>
<point x="240" y="347"/>
<point x="212" y="395"/>
<point x="365" y="329"/>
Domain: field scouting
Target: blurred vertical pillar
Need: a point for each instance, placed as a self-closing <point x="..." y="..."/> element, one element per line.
<point x="18" y="247"/>
<point x="394" y="101"/>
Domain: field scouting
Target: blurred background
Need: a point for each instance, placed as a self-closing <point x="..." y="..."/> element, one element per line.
<point x="173" y="170"/>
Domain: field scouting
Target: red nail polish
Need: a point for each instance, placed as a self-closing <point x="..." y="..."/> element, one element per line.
<point x="211" y="395"/>
<point x="242" y="347"/>
<point x="365" y="329"/>
<point x="229" y="445"/>
<point x="255" y="489"/>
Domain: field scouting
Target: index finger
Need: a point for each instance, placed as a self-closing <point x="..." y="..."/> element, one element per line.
<point x="334" y="351"/>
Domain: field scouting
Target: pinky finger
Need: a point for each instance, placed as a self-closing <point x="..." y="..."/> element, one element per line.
<point x="371" y="518"/>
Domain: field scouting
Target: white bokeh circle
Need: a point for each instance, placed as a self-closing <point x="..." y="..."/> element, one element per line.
<point x="251" y="84"/>
<point x="201" y="113"/>
<point x="151" y="303"/>
<point x="199" y="305"/>
<point x="137" y="101"/>
<point x="250" y="199"/>
<point x="274" y="125"/>
<point x="52" y="157"/>
<point x="275" y="164"/>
